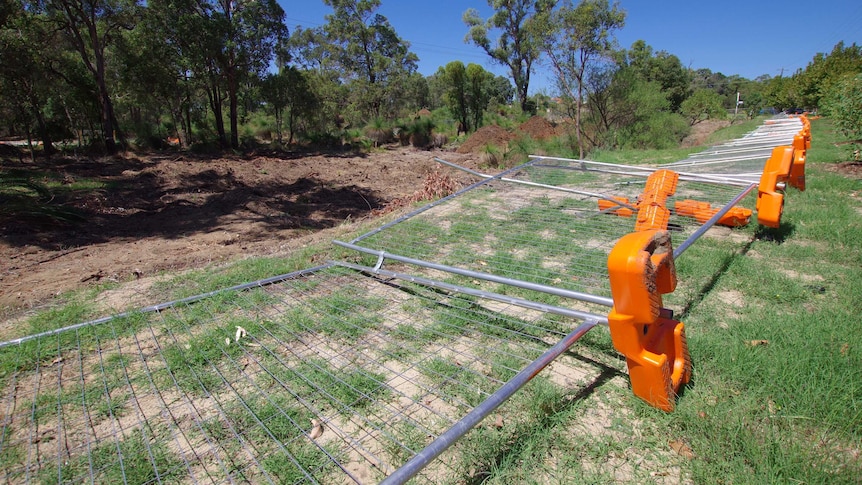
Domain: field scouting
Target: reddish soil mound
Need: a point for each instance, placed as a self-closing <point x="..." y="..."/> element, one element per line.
<point x="486" y="135"/>
<point x="538" y="128"/>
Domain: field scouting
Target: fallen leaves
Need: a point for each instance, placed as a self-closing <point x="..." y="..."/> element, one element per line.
<point x="681" y="449"/>
<point x="498" y="423"/>
<point x="757" y="343"/>
<point x="316" y="429"/>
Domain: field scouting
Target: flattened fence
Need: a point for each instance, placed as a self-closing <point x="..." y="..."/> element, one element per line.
<point x="370" y="367"/>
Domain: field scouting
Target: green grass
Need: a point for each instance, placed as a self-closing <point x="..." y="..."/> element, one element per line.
<point x="772" y="320"/>
<point x="144" y="459"/>
<point x="790" y="409"/>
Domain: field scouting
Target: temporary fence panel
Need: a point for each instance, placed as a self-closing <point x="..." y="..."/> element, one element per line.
<point x="374" y="367"/>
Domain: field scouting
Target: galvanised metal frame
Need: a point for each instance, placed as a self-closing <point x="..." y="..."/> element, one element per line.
<point x="738" y="185"/>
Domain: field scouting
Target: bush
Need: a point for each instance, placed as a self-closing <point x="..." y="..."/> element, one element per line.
<point x="378" y="132"/>
<point x="520" y="149"/>
<point x="661" y="130"/>
<point x="420" y="132"/>
<point x="844" y="104"/>
<point x="490" y="157"/>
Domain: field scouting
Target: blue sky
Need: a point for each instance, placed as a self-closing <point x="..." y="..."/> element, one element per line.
<point x="748" y="38"/>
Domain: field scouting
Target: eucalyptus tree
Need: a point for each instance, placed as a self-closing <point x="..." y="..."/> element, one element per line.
<point x="575" y="39"/>
<point x="372" y="58"/>
<point x="251" y="32"/>
<point x="467" y="91"/>
<point x="518" y="45"/>
<point x="289" y="92"/>
<point x="454" y="77"/>
<point x="479" y="85"/>
<point x="221" y="46"/>
<point x="91" y="27"/>
<point x="826" y="70"/>
<point x="26" y="79"/>
<point x="663" y="68"/>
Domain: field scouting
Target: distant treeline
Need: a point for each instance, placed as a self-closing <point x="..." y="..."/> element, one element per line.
<point x="218" y="74"/>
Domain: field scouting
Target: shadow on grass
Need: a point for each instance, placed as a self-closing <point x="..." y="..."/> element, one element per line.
<point x="775" y="235"/>
<point x="527" y="433"/>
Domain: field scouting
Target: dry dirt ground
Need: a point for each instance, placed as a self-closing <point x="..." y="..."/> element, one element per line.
<point x="172" y="211"/>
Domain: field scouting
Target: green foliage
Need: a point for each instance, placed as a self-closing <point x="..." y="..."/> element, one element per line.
<point x="844" y="104"/>
<point x="420" y="131"/>
<point x="373" y="59"/>
<point x="644" y="119"/>
<point x="825" y="72"/>
<point x="289" y="92"/>
<point x="659" y="130"/>
<point x="576" y="39"/>
<point x="518" y="45"/>
<point x="467" y="91"/>
<point x="702" y="105"/>
<point x="662" y="68"/>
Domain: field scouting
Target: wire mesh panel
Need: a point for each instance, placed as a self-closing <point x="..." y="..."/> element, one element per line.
<point x="551" y="222"/>
<point x="742" y="157"/>
<point x="331" y="377"/>
<point x="338" y="375"/>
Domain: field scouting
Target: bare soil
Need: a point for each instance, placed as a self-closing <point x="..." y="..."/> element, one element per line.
<point x="172" y="211"/>
<point x="486" y="135"/>
<point x="539" y="127"/>
<point x="700" y="132"/>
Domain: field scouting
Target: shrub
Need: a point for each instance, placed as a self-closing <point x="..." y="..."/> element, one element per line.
<point x="378" y="132"/>
<point x="661" y="130"/>
<point x="844" y="104"/>
<point x="420" y="132"/>
<point x="490" y="157"/>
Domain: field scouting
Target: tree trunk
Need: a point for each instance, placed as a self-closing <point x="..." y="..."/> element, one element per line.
<point x="578" y="121"/>
<point x="232" y="95"/>
<point x="107" y="107"/>
<point x="215" y="103"/>
<point x="47" y="143"/>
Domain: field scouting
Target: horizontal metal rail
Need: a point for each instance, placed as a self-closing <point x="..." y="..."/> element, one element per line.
<point x="535" y="184"/>
<point x="521" y="302"/>
<point x="575" y="295"/>
<point x="166" y="305"/>
<point x="480" y="412"/>
<point x="636" y="171"/>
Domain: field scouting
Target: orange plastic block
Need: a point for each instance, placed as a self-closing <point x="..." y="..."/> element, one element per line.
<point x="641" y="269"/>
<point x="622" y="211"/>
<point x="770" y="196"/>
<point x="703" y="211"/>
<point x="801" y="142"/>
<point x="652" y="210"/>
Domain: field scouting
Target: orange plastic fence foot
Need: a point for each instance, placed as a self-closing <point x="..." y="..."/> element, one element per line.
<point x="703" y="211"/>
<point x="610" y="204"/>
<point x="652" y="210"/>
<point x="641" y="269"/>
<point x="801" y="142"/>
<point x="770" y="196"/>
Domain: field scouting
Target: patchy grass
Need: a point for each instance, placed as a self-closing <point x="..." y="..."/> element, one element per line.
<point x="773" y="327"/>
